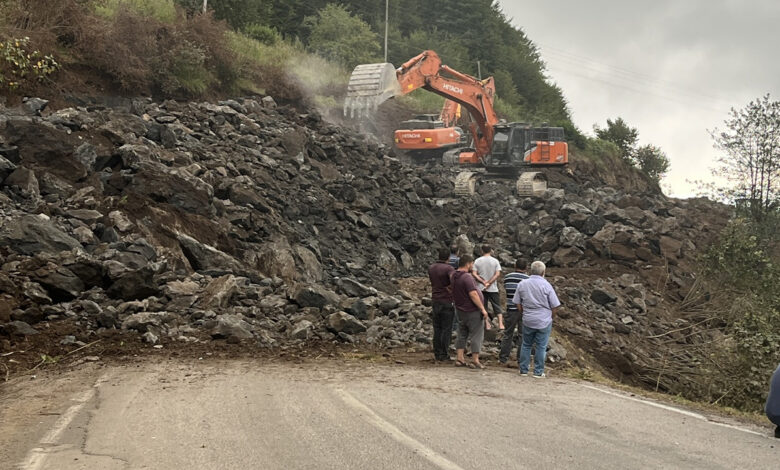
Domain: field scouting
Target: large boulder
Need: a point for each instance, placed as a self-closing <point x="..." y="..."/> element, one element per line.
<point x="231" y="327"/>
<point x="218" y="293"/>
<point x="134" y="285"/>
<point x="24" y="182"/>
<point x="32" y="234"/>
<point x="342" y="322"/>
<point x="205" y="258"/>
<point x="314" y="296"/>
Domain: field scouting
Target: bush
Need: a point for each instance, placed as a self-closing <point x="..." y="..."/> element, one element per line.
<point x="263" y="34"/>
<point x="341" y="37"/>
<point x="19" y="64"/>
<point x="603" y="149"/>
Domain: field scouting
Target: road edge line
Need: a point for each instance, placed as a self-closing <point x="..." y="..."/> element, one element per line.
<point x="37" y="456"/>
<point x="690" y="414"/>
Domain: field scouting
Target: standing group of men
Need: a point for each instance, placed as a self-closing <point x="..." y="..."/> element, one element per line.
<point x="463" y="288"/>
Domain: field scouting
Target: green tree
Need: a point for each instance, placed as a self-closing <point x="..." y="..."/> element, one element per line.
<point x="750" y="162"/>
<point x="339" y="36"/>
<point x="621" y="134"/>
<point x="652" y="161"/>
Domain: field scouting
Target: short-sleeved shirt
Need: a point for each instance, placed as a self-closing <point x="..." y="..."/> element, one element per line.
<point x="487" y="267"/>
<point x="439" y="274"/>
<point x="773" y="400"/>
<point x="511" y="281"/>
<point x="462" y="284"/>
<point x="538" y="298"/>
<point x="454" y="261"/>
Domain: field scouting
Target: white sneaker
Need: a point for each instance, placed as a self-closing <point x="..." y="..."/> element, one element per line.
<point x="543" y="375"/>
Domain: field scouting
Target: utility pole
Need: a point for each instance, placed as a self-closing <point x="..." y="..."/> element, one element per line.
<point x="205" y="5"/>
<point x="387" y="10"/>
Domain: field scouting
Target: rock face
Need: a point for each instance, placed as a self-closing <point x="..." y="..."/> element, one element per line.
<point x="248" y="221"/>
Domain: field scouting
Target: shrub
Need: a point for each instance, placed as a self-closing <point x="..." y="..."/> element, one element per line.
<point x="182" y="70"/>
<point x="263" y="34"/>
<point x="19" y="64"/>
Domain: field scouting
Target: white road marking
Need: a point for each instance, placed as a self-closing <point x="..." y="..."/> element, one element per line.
<point x="420" y="448"/>
<point x="690" y="414"/>
<point x="37" y="456"/>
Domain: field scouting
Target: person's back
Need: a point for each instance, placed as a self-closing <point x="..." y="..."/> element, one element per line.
<point x="511" y="281"/>
<point x="538" y="299"/>
<point x="773" y="401"/>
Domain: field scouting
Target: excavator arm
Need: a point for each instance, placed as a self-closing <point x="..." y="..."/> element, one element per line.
<point x="450" y="113"/>
<point x="370" y="86"/>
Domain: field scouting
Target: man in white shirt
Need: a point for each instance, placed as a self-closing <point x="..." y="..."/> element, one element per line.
<point x="487" y="271"/>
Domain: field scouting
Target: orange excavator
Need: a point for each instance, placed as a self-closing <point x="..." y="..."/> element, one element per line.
<point x="428" y="136"/>
<point x="500" y="149"/>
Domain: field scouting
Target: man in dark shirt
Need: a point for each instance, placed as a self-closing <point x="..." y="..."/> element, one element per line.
<point x="439" y="273"/>
<point x="513" y="320"/>
<point x="472" y="316"/>
<point x="773" y="401"/>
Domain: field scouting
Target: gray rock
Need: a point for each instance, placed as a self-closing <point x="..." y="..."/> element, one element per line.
<point x="218" y="293"/>
<point x="30" y="234"/>
<point x="24" y="181"/>
<point x="603" y="296"/>
<point x="353" y="288"/>
<point x="302" y="329"/>
<point x="268" y="102"/>
<point x="342" y="322"/>
<point x="18" y="328"/>
<point x="314" y="296"/>
<point x="86" y="154"/>
<point x="207" y="259"/>
<point x="232" y="328"/>
<point x="144" y="321"/>
<point x="6" y="168"/>
<point x="34" y="106"/>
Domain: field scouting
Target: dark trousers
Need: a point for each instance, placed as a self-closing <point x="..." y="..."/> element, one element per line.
<point x="513" y="320"/>
<point x="494" y="299"/>
<point x="442" y="329"/>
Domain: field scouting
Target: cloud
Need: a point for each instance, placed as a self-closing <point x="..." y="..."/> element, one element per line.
<point x="672" y="69"/>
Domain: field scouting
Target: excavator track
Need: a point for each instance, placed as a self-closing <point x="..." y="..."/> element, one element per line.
<point x="532" y="183"/>
<point x="466" y="184"/>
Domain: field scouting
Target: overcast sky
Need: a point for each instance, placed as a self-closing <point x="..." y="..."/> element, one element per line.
<point x="671" y="68"/>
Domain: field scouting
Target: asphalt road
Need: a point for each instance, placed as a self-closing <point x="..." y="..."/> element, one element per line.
<point x="245" y="415"/>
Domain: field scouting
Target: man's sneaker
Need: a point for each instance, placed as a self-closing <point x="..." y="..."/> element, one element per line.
<point x="525" y="374"/>
<point x="777" y="432"/>
<point x="540" y="376"/>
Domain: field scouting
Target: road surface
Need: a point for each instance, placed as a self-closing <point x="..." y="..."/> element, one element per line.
<point x="259" y="415"/>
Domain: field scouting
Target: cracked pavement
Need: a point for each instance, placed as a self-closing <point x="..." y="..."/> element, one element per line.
<point x="243" y="414"/>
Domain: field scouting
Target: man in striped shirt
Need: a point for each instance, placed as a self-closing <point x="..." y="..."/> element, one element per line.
<point x="513" y="318"/>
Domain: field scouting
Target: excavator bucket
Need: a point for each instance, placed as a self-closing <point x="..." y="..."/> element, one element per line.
<point x="369" y="86"/>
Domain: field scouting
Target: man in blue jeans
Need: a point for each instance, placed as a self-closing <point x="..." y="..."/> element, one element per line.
<point x="536" y="301"/>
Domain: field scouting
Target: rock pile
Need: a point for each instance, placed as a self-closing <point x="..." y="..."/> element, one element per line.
<point x="245" y="221"/>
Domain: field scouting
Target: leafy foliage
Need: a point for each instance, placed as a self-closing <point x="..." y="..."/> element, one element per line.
<point x="19" y="64"/>
<point x="652" y="161"/>
<point x="750" y="163"/>
<point x="341" y="37"/>
<point x="742" y="267"/>
<point x="263" y="34"/>
<point x="621" y="134"/>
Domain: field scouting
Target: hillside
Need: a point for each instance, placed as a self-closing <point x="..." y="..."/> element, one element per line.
<point x="238" y="220"/>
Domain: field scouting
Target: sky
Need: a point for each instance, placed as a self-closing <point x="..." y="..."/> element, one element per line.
<point x="671" y="68"/>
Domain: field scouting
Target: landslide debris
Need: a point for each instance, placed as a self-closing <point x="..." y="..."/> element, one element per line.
<point x="246" y="222"/>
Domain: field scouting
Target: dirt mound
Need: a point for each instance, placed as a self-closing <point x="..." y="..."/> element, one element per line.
<point x="245" y="222"/>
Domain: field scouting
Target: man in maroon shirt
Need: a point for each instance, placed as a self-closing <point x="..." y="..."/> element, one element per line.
<point x="439" y="273"/>
<point x="472" y="316"/>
